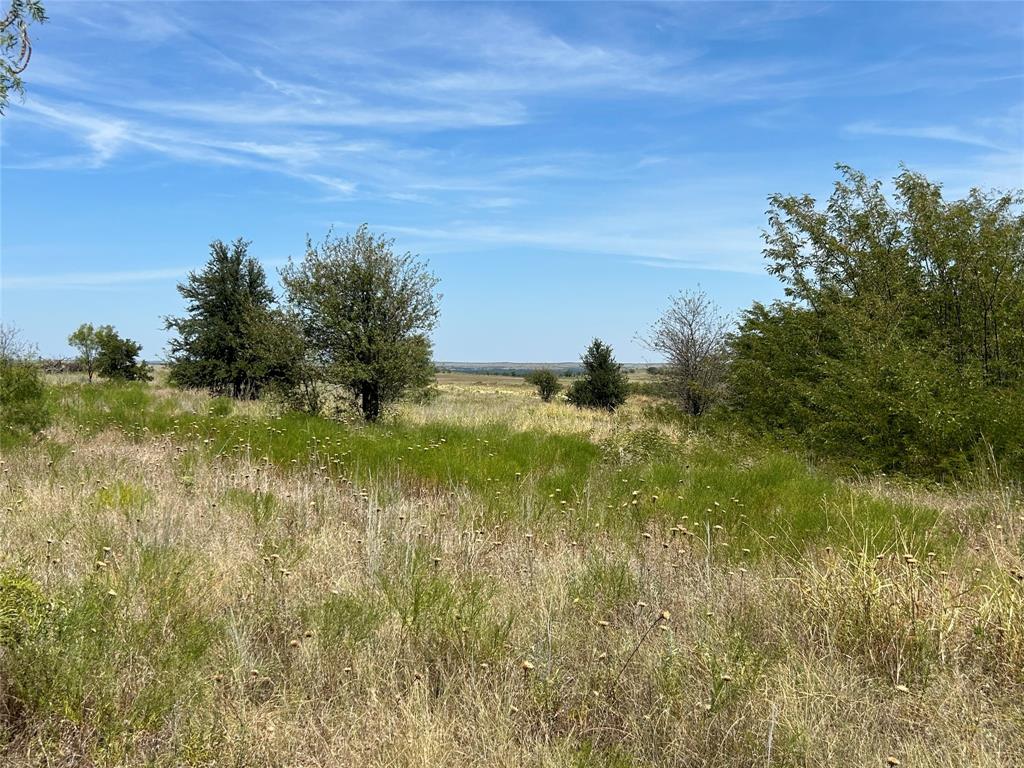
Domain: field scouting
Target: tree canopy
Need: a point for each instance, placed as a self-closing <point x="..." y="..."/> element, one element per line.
<point x="231" y="341"/>
<point x="603" y="383"/>
<point x="901" y="341"/>
<point x="366" y="313"/>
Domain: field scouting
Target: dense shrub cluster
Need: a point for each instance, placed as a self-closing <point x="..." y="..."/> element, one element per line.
<point x="901" y="342"/>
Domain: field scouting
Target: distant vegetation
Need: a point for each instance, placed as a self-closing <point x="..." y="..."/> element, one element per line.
<point x="546" y="382"/>
<point x="102" y="351"/>
<point x="603" y="383"/>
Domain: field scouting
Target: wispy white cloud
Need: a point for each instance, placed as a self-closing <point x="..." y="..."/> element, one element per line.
<point x="99" y="279"/>
<point x="727" y="249"/>
<point x="928" y="132"/>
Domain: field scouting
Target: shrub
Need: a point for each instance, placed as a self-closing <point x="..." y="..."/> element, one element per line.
<point x="546" y="382"/>
<point x="23" y="406"/>
<point x="895" y="348"/>
<point x="117" y="358"/>
<point x="603" y="383"/>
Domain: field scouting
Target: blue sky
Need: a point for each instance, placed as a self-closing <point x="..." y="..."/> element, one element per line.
<point x="564" y="167"/>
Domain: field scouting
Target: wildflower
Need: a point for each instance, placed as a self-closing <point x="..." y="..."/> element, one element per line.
<point x="526" y="665"/>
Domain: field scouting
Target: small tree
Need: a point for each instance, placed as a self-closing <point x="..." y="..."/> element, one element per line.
<point x="546" y="382"/>
<point x="85" y="341"/>
<point x="219" y="344"/>
<point x="365" y="312"/>
<point x="603" y="383"/>
<point x="117" y="358"/>
<point x="692" y="335"/>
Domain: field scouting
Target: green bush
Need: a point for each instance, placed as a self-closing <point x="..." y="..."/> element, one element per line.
<point x="899" y="347"/>
<point x="603" y="383"/>
<point x="23" y="403"/>
<point x="546" y="382"/>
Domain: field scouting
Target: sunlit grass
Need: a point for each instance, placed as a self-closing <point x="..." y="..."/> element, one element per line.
<point x="187" y="581"/>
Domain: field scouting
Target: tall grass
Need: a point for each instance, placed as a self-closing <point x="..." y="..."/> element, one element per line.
<point x="187" y="582"/>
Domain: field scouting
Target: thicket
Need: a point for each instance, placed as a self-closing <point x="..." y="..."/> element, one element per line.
<point x="900" y="344"/>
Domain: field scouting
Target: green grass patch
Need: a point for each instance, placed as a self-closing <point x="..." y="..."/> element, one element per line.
<point x="743" y="496"/>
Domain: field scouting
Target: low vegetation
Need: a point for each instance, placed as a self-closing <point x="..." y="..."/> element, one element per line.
<point x="187" y="580"/>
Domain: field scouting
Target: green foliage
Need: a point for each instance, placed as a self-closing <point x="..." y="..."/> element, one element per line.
<point x="23" y="396"/>
<point x="23" y="406"/>
<point x="16" y="45"/>
<point x="140" y="636"/>
<point x="344" y="619"/>
<point x="365" y="312"/>
<point x="84" y="339"/>
<point x="232" y="341"/>
<point x="117" y="358"/>
<point x="901" y="344"/>
<point x="546" y="382"/>
<point x="603" y="383"/>
<point x="23" y="607"/>
<point x="445" y="617"/>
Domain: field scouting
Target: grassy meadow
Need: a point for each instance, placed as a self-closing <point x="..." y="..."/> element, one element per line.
<point x="483" y="579"/>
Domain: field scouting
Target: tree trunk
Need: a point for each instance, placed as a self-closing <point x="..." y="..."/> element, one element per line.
<point x="370" y="401"/>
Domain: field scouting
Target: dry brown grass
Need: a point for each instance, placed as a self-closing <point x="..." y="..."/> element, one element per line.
<point x="346" y="631"/>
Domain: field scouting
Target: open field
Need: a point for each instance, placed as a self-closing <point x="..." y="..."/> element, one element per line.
<point x="485" y="579"/>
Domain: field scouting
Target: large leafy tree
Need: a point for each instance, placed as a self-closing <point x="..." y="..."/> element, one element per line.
<point x="603" y="383"/>
<point x="366" y="312"/>
<point x="901" y="341"/>
<point x="16" y="45"/>
<point x="230" y="341"/>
